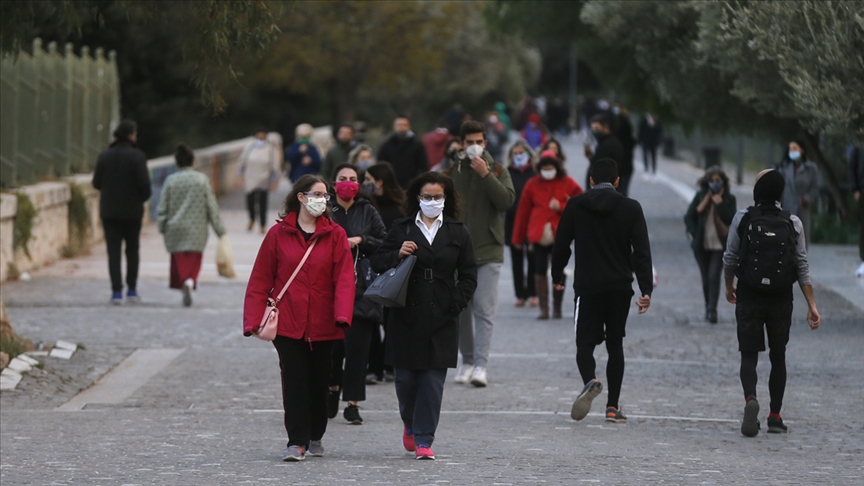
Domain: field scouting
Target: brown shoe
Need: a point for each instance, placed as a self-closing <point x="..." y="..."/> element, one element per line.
<point x="250" y="225"/>
<point x="542" y="286"/>
<point x="557" y="298"/>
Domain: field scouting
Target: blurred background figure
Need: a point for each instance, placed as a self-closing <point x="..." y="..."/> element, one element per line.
<point x="436" y="141"/>
<point x="557" y="118"/>
<point x="520" y="163"/>
<point x="362" y="157"/>
<point x="650" y="136"/>
<point x="404" y="151"/>
<point x="451" y="156"/>
<point x="608" y="146"/>
<point x="338" y="154"/>
<point x="856" y="180"/>
<point x="802" y="184"/>
<point x="554" y="146"/>
<point x="259" y="166"/>
<point x="302" y="157"/>
<point x="497" y="136"/>
<point x="526" y="109"/>
<point x="623" y="129"/>
<point x="503" y="116"/>
<point x="453" y="119"/>
<point x="187" y="205"/>
<point x="534" y="132"/>
<point x="707" y="220"/>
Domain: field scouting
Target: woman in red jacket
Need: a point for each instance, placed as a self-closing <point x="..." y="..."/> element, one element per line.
<point x="314" y="312"/>
<point x="540" y="208"/>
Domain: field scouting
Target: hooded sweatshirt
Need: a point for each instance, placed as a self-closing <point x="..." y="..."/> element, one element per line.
<point x="611" y="243"/>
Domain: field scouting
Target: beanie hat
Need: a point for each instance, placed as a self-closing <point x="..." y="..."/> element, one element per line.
<point x="548" y="154"/>
<point x="769" y="187"/>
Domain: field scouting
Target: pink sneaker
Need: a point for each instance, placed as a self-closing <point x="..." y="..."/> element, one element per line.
<point x="408" y="440"/>
<point x="424" y="453"/>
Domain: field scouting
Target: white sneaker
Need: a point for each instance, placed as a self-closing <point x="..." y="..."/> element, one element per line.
<point x="187" y="292"/>
<point x="463" y="374"/>
<point x="860" y="271"/>
<point x="478" y="378"/>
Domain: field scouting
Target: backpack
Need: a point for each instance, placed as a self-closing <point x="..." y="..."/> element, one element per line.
<point x="767" y="250"/>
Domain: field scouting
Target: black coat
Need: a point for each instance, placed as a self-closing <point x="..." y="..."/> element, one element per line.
<point x="407" y="155"/>
<point x="623" y="129"/>
<point x="362" y="219"/>
<point x="389" y="210"/>
<point x="608" y="147"/>
<point x="123" y="180"/>
<point x="425" y="333"/>
<point x="519" y="178"/>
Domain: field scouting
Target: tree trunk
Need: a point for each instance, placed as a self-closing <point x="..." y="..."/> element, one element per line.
<point x="831" y="180"/>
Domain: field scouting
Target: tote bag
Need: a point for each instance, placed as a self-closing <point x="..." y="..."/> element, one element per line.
<point x="391" y="287"/>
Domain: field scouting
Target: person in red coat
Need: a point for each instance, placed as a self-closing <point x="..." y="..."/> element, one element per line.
<point x="540" y="208"/>
<point x="313" y="313"/>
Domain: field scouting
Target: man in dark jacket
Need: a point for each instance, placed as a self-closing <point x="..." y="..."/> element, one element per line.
<point x="650" y="136"/>
<point x="122" y="178"/>
<point x="405" y="152"/>
<point x="623" y="129"/>
<point x="338" y="154"/>
<point x="608" y="146"/>
<point x="611" y="243"/>
<point x="856" y="179"/>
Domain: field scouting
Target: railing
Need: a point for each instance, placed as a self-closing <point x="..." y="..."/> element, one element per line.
<point x="57" y="112"/>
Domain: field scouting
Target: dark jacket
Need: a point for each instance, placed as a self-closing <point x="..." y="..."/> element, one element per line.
<point x="519" y="178"/>
<point x="650" y="136"/>
<point x="425" y="333"/>
<point x="856" y="169"/>
<point x="389" y="210"/>
<point x="608" y="147"/>
<point x="623" y="129"/>
<point x="696" y="222"/>
<point x="361" y="219"/>
<point x="336" y="156"/>
<point x="611" y="242"/>
<point x="406" y="154"/>
<point x="123" y="180"/>
<point x="294" y="159"/>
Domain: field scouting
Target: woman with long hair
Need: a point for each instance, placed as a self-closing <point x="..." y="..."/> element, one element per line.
<point x="423" y="336"/>
<point x="313" y="314"/>
<point x="555" y="146"/>
<point x="520" y="163"/>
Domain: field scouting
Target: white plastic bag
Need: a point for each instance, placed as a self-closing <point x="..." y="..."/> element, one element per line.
<point x="225" y="258"/>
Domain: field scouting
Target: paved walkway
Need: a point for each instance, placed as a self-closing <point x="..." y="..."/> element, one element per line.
<point x="190" y="401"/>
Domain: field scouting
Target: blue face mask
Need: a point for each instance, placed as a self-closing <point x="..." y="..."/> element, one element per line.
<point x="715" y="186"/>
<point x="794" y="155"/>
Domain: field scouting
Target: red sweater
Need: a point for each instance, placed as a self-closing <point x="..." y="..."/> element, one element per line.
<point x="534" y="212"/>
<point x="320" y="295"/>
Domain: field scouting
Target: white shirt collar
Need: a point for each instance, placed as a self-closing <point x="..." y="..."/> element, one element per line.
<point x="429" y="233"/>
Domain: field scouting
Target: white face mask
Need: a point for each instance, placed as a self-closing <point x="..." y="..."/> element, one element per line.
<point x="474" y="151"/>
<point x="316" y="206"/>
<point x="548" y="174"/>
<point x="432" y="209"/>
<point x="521" y="160"/>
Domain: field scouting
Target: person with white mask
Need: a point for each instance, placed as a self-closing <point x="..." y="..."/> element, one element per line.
<point x="423" y="336"/>
<point x="259" y="166"/>
<point x="802" y="184"/>
<point x="521" y="160"/>
<point x="537" y="219"/>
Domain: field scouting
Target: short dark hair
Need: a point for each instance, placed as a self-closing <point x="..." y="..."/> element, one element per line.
<point x="339" y="167"/>
<point x="291" y="204"/>
<point x="403" y="117"/>
<point x="184" y="156"/>
<point x="601" y="119"/>
<point x="559" y="169"/>
<point x="124" y="129"/>
<point x="471" y="126"/>
<point x="451" y="200"/>
<point x="604" y="170"/>
<point x="346" y="125"/>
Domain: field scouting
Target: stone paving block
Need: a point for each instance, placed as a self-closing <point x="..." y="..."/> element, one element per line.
<point x="61" y="353"/>
<point x="19" y="365"/>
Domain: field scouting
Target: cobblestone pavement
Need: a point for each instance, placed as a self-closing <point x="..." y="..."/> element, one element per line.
<point x="211" y="416"/>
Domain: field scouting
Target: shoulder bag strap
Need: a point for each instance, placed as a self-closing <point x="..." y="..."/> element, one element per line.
<point x="296" y="271"/>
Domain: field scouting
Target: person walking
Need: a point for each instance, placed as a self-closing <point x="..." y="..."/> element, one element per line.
<point x="365" y="232"/>
<point x="650" y="135"/>
<point x="520" y="163"/>
<point x="610" y="240"/>
<point x="555" y="146"/>
<point x="707" y="220"/>
<point x="763" y="295"/>
<point x="856" y="180"/>
<point x="123" y="181"/>
<point x="187" y="205"/>
<point x="537" y="219"/>
<point x="608" y="146"/>
<point x="313" y="314"/>
<point x="423" y="336"/>
<point x="436" y="141"/>
<point x="404" y="151"/>
<point x="534" y="132"/>
<point x="340" y="152"/>
<point x="486" y="191"/>
<point x="802" y="184"/>
<point x="302" y="157"/>
<point x="259" y="167"/>
<point x="362" y="157"/>
<point x="623" y="130"/>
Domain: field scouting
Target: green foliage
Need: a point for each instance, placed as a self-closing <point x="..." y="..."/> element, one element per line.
<point x="10" y="345"/>
<point x="79" y="221"/>
<point x="827" y="228"/>
<point x="25" y="218"/>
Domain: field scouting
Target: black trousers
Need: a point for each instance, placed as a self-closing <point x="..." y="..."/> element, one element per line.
<point x="376" y="351"/>
<point x="624" y="181"/>
<point x="756" y="318"/>
<point x="541" y="259"/>
<point x="524" y="286"/>
<point x="711" y="267"/>
<point x="258" y="196"/>
<point x="602" y="316"/>
<point x="420" y="393"/>
<point x="116" y="232"/>
<point x="357" y="340"/>
<point x="305" y="373"/>
<point x="861" y="227"/>
<point x="652" y="152"/>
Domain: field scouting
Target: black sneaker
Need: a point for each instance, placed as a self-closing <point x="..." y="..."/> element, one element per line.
<point x="750" y="425"/>
<point x="775" y="425"/>
<point x="352" y="414"/>
<point x="333" y="404"/>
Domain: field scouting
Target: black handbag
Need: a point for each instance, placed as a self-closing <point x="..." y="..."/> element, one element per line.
<point x="391" y="287"/>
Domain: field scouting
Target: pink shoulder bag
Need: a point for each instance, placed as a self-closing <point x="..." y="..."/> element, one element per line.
<point x="270" y="323"/>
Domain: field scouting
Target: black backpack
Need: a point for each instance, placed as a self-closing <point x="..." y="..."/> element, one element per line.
<point x="767" y="256"/>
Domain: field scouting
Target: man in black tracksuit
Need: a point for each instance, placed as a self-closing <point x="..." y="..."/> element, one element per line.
<point x="608" y="147"/>
<point x="611" y="243"/>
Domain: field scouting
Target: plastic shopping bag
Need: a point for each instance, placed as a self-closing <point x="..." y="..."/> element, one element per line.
<point x="225" y="258"/>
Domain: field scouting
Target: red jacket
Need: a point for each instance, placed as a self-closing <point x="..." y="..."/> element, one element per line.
<point x="435" y="143"/>
<point x="534" y="212"/>
<point x="320" y="295"/>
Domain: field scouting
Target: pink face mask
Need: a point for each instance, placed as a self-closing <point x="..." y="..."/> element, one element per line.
<point x="346" y="190"/>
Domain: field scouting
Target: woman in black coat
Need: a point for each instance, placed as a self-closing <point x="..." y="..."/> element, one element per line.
<point x="365" y="230"/>
<point x="423" y="336"/>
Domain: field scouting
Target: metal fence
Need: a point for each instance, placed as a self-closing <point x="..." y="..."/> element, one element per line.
<point x="57" y="112"/>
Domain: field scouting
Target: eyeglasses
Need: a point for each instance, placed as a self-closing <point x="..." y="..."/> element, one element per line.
<point x="318" y="194"/>
<point x="428" y="197"/>
<point x="468" y="143"/>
